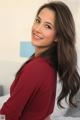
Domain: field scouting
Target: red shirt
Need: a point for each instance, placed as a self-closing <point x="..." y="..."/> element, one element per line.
<point x="32" y="94"/>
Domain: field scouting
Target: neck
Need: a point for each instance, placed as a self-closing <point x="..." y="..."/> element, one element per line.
<point x="38" y="51"/>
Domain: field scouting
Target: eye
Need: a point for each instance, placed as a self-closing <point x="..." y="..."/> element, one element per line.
<point x="37" y="20"/>
<point x="48" y="26"/>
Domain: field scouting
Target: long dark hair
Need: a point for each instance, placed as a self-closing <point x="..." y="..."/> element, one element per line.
<point x="65" y="50"/>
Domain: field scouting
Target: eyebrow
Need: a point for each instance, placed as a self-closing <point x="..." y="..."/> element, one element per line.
<point x="46" y="21"/>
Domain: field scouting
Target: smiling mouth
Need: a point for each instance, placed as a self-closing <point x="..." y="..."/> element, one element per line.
<point x="35" y="36"/>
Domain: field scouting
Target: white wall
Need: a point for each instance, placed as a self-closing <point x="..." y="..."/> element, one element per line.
<point x="16" y="18"/>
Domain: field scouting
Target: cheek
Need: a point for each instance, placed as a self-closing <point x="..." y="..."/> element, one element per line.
<point x="32" y="27"/>
<point x="51" y="36"/>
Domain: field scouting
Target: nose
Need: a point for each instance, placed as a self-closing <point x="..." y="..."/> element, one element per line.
<point x="38" y="28"/>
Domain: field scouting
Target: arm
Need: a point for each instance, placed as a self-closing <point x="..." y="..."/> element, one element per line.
<point x="27" y="83"/>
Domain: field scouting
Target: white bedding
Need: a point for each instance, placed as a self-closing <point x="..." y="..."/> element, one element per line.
<point x="65" y="118"/>
<point x="3" y="99"/>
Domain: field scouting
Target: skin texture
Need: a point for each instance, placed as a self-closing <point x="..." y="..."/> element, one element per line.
<point x="43" y="30"/>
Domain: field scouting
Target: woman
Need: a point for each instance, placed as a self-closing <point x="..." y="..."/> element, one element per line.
<point x="32" y="94"/>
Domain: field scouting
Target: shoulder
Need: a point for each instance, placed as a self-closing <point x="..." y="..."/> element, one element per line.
<point x="39" y="71"/>
<point x="39" y="65"/>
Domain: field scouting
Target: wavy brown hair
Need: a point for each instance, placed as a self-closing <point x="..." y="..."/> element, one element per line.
<point x="65" y="59"/>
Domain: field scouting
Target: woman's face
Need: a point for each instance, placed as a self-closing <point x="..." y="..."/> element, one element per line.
<point x="43" y="29"/>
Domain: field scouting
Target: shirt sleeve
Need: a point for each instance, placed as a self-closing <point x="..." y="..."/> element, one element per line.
<point x="27" y="85"/>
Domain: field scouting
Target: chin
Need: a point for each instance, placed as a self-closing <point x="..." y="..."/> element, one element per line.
<point x="35" y="43"/>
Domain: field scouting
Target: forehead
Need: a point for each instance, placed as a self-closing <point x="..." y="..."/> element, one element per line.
<point x="47" y="14"/>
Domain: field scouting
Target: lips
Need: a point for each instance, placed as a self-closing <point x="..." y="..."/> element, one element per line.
<point x="36" y="36"/>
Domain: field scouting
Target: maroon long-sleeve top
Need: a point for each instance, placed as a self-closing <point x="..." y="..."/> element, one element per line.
<point x="32" y="94"/>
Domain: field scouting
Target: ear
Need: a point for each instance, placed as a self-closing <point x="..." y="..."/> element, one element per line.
<point x="56" y="40"/>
